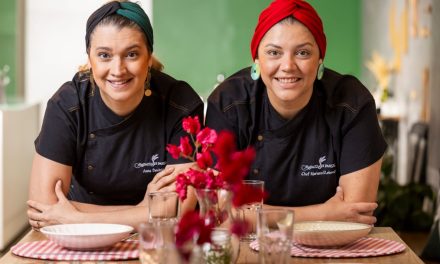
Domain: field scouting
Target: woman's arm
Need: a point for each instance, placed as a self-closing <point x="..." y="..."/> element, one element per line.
<point x="354" y="200"/>
<point x="45" y="173"/>
<point x="63" y="212"/>
<point x="362" y="185"/>
<point x="54" y="208"/>
<point x="44" y="176"/>
<point x="335" y="209"/>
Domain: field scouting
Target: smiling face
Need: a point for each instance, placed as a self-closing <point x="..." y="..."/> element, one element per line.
<point x="120" y="60"/>
<point x="289" y="59"/>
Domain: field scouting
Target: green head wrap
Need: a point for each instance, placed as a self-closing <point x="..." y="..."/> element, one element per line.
<point x="129" y="10"/>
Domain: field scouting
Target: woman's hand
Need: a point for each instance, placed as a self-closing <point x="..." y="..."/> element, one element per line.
<point x="62" y="212"/>
<point x="163" y="181"/>
<point x="339" y="210"/>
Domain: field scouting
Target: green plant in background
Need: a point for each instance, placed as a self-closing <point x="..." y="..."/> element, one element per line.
<point x="401" y="206"/>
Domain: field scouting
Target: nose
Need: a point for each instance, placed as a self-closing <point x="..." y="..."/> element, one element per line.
<point x="288" y="63"/>
<point x="118" y="67"/>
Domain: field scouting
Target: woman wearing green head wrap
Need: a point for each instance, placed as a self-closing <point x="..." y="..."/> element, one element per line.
<point x="104" y="135"/>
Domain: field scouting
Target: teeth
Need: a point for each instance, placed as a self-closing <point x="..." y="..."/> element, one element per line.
<point x="287" y="80"/>
<point x="119" y="82"/>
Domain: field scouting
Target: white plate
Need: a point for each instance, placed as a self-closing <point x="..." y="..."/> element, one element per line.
<point x="328" y="233"/>
<point x="86" y="236"/>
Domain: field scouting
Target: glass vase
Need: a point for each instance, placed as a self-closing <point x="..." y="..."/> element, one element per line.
<point x="215" y="207"/>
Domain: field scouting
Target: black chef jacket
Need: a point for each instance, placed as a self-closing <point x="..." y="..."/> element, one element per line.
<point x="114" y="158"/>
<point x="300" y="160"/>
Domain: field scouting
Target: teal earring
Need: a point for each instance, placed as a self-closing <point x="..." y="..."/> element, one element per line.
<point x="320" y="71"/>
<point x="255" y="71"/>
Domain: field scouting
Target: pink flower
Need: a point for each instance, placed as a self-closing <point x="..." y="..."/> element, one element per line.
<point x="196" y="178"/>
<point x="192" y="225"/>
<point x="174" y="151"/>
<point x="233" y="166"/>
<point x="192" y="228"/>
<point x="185" y="147"/>
<point x="204" y="160"/>
<point x="206" y="137"/>
<point x="182" y="186"/>
<point x="191" y="125"/>
<point x="212" y="181"/>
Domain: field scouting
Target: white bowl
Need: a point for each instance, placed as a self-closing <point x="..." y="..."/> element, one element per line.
<point x="328" y="233"/>
<point x="86" y="236"/>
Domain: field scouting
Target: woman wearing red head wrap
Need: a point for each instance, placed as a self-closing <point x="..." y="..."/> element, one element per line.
<point x="318" y="142"/>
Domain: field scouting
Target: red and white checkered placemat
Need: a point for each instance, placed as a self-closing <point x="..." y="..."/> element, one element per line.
<point x="48" y="250"/>
<point x="363" y="247"/>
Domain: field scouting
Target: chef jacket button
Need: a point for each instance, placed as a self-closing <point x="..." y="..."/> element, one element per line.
<point x="90" y="167"/>
<point x="92" y="136"/>
<point x="256" y="171"/>
<point x="260" y="137"/>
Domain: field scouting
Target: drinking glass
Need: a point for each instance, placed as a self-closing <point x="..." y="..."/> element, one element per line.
<point x="250" y="210"/>
<point x="274" y="232"/>
<point x="157" y="243"/>
<point x="163" y="207"/>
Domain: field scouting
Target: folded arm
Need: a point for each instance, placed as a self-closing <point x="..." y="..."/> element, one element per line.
<point x="44" y="175"/>
<point x="48" y="204"/>
<point x="354" y="200"/>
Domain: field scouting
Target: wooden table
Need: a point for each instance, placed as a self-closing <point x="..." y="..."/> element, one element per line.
<point x="408" y="256"/>
<point x="249" y="256"/>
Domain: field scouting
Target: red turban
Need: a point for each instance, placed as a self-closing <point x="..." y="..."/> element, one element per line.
<point x="280" y="9"/>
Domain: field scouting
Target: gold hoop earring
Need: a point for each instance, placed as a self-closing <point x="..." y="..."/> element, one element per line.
<point x="148" y="91"/>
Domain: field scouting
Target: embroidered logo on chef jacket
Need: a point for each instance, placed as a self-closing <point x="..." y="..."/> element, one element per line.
<point x="153" y="166"/>
<point x="321" y="168"/>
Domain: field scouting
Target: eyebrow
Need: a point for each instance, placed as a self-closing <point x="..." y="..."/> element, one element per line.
<point x="299" y="46"/>
<point x="128" y="48"/>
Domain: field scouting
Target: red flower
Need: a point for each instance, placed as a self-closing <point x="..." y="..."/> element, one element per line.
<point x="196" y="178"/>
<point x="185" y="147"/>
<point x="240" y="227"/>
<point x="245" y="194"/>
<point x="191" y="125"/>
<point x="204" y="160"/>
<point x="190" y="226"/>
<point x="223" y="147"/>
<point x="212" y="181"/>
<point x="182" y="185"/>
<point x="235" y="166"/>
<point x="174" y="151"/>
<point x="206" y="137"/>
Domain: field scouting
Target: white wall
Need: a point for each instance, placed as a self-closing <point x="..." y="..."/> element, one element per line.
<point x="54" y="43"/>
<point x="408" y="84"/>
<point x="18" y="129"/>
